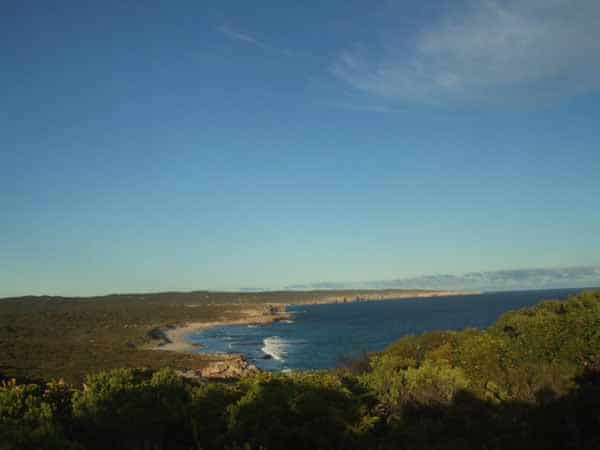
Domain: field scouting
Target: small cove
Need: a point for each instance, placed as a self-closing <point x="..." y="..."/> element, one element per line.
<point x="318" y="335"/>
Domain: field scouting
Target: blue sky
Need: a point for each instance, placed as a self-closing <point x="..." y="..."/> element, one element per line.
<point x="185" y="145"/>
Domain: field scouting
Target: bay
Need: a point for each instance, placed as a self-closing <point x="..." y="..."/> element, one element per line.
<point x="319" y="335"/>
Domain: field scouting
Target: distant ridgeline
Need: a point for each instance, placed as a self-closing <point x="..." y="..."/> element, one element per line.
<point x="531" y="380"/>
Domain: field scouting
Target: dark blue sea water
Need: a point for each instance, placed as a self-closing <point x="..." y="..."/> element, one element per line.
<point x="318" y="335"/>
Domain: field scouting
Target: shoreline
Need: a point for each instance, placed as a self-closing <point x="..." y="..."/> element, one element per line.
<point x="385" y="295"/>
<point x="173" y="337"/>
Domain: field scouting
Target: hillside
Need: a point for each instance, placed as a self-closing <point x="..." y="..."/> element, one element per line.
<point x="43" y="338"/>
<point x="529" y="381"/>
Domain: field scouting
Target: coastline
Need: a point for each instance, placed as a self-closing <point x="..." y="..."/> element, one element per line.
<point x="385" y="295"/>
<point x="173" y="337"/>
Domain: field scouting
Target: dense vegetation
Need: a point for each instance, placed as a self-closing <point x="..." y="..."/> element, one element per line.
<point x="531" y="380"/>
<point x="56" y="337"/>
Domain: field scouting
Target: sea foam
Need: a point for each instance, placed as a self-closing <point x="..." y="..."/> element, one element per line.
<point x="278" y="348"/>
<point x="275" y="347"/>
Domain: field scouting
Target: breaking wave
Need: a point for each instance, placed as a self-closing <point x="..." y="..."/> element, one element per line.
<point x="278" y="347"/>
<point x="275" y="347"/>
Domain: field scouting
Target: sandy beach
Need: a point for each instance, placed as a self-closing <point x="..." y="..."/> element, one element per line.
<point x="174" y="337"/>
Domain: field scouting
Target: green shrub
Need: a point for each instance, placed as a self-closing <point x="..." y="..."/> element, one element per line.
<point x="31" y="416"/>
<point x="397" y="385"/>
<point x="131" y="409"/>
<point x="298" y="411"/>
<point x="208" y="413"/>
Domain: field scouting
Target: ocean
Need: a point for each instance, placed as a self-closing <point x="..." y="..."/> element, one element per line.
<point x="318" y="336"/>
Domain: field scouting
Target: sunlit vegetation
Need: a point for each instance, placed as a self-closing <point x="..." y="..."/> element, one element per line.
<point x="530" y="381"/>
<point x="44" y="338"/>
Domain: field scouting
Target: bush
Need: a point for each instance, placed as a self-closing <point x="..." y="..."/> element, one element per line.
<point x="32" y="417"/>
<point x="299" y="411"/>
<point x="208" y="413"/>
<point x="131" y="409"/>
<point x="397" y="385"/>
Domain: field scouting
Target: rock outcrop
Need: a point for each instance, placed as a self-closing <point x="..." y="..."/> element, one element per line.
<point x="228" y="367"/>
<point x="231" y="367"/>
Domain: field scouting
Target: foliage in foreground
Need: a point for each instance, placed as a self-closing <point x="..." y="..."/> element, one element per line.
<point x="532" y="380"/>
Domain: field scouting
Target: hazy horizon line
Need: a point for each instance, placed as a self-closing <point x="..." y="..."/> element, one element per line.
<point x="570" y="277"/>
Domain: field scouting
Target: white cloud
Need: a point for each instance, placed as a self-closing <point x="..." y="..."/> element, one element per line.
<point x="488" y="50"/>
<point x="500" y="280"/>
<point x="236" y="35"/>
<point x="247" y="38"/>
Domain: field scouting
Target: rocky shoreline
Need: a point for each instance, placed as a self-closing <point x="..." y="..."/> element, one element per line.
<point x="172" y="337"/>
<point x="364" y="296"/>
<point x="224" y="367"/>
